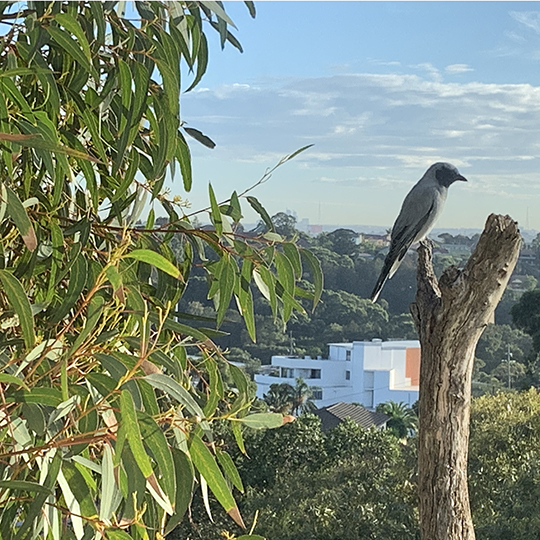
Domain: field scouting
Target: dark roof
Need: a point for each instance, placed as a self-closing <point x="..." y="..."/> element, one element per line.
<point x="332" y="415"/>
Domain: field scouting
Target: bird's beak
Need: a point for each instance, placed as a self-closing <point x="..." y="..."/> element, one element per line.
<point x="461" y="178"/>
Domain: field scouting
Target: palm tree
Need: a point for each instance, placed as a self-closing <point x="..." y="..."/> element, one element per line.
<point x="403" y="420"/>
<point x="279" y="398"/>
<point x="287" y="399"/>
<point x="301" y="397"/>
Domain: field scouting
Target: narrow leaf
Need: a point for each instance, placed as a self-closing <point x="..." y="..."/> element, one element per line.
<point x="155" y="440"/>
<point x="21" y="485"/>
<point x="200" y="137"/>
<point x="206" y="464"/>
<point x="133" y="433"/>
<point x="251" y="8"/>
<point x="184" y="487"/>
<point x="73" y="26"/>
<point x="316" y="273"/>
<point x="245" y="298"/>
<point x="178" y="392"/>
<point x="215" y="212"/>
<point x="218" y="10"/>
<point x="155" y="259"/>
<point x="228" y="466"/>
<point x="259" y="208"/>
<point x="263" y="420"/>
<point x="20" y="304"/>
<point x="19" y="216"/>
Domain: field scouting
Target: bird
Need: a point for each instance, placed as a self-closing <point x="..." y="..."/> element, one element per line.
<point x="420" y="210"/>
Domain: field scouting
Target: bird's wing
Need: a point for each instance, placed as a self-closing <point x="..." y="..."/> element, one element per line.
<point x="418" y="213"/>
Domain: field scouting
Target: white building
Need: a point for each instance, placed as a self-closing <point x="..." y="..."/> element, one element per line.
<point x="365" y="372"/>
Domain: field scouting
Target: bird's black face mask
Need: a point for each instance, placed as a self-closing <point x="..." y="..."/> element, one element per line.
<point x="446" y="176"/>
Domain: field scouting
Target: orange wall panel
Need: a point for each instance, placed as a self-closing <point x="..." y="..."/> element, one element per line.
<point x="412" y="365"/>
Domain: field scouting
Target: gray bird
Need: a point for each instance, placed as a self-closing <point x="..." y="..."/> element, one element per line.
<point x="419" y="212"/>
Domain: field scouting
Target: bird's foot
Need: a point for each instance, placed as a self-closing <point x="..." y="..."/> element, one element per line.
<point x="428" y="243"/>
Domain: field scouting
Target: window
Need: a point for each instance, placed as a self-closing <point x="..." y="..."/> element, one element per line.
<point x="348" y="375"/>
<point x="368" y="399"/>
<point x="369" y="384"/>
<point x="287" y="373"/>
<point x="348" y="356"/>
<point x="369" y="377"/>
<point x="316" y="393"/>
<point x="315" y="374"/>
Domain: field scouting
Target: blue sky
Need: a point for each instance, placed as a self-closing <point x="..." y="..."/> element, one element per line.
<point x="382" y="90"/>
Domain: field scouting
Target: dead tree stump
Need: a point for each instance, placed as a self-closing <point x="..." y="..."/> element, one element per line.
<point x="450" y="315"/>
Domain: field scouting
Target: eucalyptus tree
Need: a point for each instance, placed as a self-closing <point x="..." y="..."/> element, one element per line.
<point x="103" y="432"/>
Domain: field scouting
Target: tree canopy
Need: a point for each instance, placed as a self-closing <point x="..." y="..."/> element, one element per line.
<point x="107" y="421"/>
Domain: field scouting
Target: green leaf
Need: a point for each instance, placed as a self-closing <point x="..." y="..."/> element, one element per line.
<point x="266" y="282"/>
<point x="291" y="252"/>
<point x="251" y="8"/>
<point x="228" y="466"/>
<point x="19" y="216"/>
<point x="200" y="137"/>
<point x="184" y="485"/>
<point x="155" y="259"/>
<point x="178" y="392"/>
<point x="36" y="141"/>
<point x="285" y="273"/>
<point x="218" y="10"/>
<point x="316" y="273"/>
<point x="133" y="433"/>
<point x="21" y="305"/>
<point x="295" y="153"/>
<point x="77" y="282"/>
<point x="262" y="420"/>
<point x="42" y="395"/>
<point x="36" y="507"/>
<point x="259" y="208"/>
<point x="80" y="488"/>
<point x="183" y="156"/>
<point x="215" y="212"/>
<point x="72" y="505"/>
<point x="233" y="208"/>
<point x="202" y="63"/>
<point x="245" y="298"/>
<point x="95" y="310"/>
<point x="73" y="26"/>
<point x="227" y="280"/>
<point x="155" y="441"/>
<point x="206" y="464"/>
<point x="69" y="45"/>
<point x="117" y="534"/>
<point x="21" y="485"/>
<point x="237" y="432"/>
<point x="240" y="380"/>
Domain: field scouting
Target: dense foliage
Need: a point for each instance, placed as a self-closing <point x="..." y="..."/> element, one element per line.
<point x="106" y="423"/>
<point x="361" y="484"/>
<point x="504" y="354"/>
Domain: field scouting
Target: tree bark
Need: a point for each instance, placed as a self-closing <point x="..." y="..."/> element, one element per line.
<point x="450" y="315"/>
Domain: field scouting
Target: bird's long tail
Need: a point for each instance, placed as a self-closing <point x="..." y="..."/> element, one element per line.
<point x="380" y="284"/>
<point x="389" y="268"/>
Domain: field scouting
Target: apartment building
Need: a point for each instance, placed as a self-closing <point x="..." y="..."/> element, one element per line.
<point x="364" y="372"/>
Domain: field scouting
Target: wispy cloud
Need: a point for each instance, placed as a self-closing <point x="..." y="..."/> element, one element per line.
<point x="367" y="122"/>
<point x="530" y="19"/>
<point x="456" y="69"/>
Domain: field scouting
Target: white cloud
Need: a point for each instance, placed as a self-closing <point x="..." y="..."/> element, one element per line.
<point x="364" y="122"/>
<point x="456" y="69"/>
<point x="430" y="69"/>
<point x="530" y="19"/>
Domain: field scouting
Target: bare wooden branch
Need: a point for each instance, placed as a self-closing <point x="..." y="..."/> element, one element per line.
<point x="450" y="315"/>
